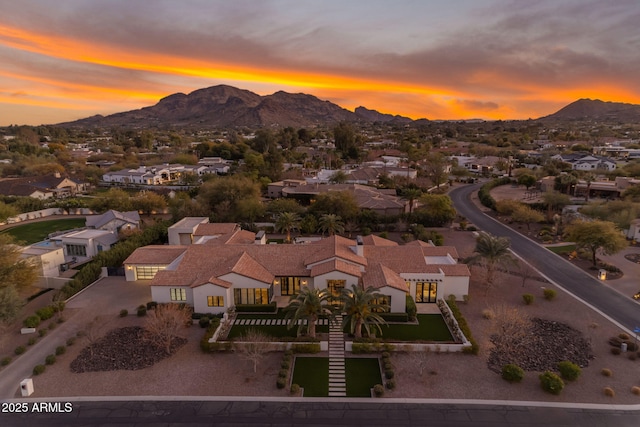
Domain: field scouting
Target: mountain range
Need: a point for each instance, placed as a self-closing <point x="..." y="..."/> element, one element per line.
<point x="227" y="106"/>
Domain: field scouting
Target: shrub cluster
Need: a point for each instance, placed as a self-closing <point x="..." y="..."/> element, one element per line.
<point x="528" y="299"/>
<point x="464" y="327"/>
<point x="257" y="308"/>
<point x="38" y="369"/>
<point x="569" y="371"/>
<point x="50" y="359"/>
<point x="512" y="373"/>
<point x="411" y="308"/>
<point x="549" y="294"/>
<point x="124" y="312"/>
<point x="32" y="322"/>
<point x="285" y="368"/>
<point x="306" y="348"/>
<point x="551" y="382"/>
<point x="378" y="390"/>
<point x="19" y="350"/>
<point x="205" y="345"/>
<point x="395" y="317"/>
<point x="141" y="311"/>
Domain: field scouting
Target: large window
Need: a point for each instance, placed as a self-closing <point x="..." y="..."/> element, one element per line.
<point x="76" y="250"/>
<point x="147" y="272"/>
<point x="178" y="294"/>
<point x="289" y="285"/>
<point x="385" y="301"/>
<point x="426" y="292"/>
<point x="251" y="296"/>
<point x="215" y="301"/>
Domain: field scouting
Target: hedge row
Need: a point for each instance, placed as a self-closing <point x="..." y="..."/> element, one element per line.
<point x="464" y="327"/>
<point x="484" y="194"/>
<point x="257" y="308"/>
<point x="395" y="317"/>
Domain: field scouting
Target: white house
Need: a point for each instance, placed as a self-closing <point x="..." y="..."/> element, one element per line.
<point x="46" y="256"/>
<point x="85" y="244"/>
<point x="114" y="221"/>
<point x="238" y="268"/>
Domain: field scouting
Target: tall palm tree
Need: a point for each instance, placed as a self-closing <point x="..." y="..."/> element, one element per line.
<point x="331" y="223"/>
<point x="308" y="304"/>
<point x="411" y="195"/>
<point x="360" y="310"/>
<point x="286" y="222"/>
<point x="491" y="251"/>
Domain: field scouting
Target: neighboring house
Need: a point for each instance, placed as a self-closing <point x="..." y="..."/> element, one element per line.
<point x="634" y="230"/>
<point x="162" y="174"/>
<point x="84" y="244"/>
<point x="586" y="162"/>
<point x="46" y="256"/>
<point x="114" y="221"/>
<point x="42" y="187"/>
<point x="381" y="201"/>
<point x="239" y="268"/>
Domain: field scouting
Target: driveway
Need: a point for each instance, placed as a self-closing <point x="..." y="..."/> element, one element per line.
<point x="620" y="308"/>
<point x="106" y="297"/>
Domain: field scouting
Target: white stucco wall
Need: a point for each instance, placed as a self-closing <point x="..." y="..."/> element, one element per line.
<point x="454" y="285"/>
<point x="201" y="293"/>
<point x="320" y="281"/>
<point x="51" y="262"/>
<point x="162" y="294"/>
<point x="398" y="298"/>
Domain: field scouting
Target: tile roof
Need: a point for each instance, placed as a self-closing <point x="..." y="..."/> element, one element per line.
<point x="155" y="254"/>
<point x="215" y="228"/>
<point x="374" y="240"/>
<point x="246" y="266"/>
<point x="335" y="246"/>
<point x="335" y="265"/>
<point x="379" y="276"/>
<point x="97" y="221"/>
<point x="455" y="270"/>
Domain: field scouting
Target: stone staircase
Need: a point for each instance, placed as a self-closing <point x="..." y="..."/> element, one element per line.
<point x="337" y="382"/>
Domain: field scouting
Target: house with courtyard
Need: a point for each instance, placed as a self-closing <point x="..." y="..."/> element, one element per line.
<point x="231" y="267"/>
<point x="114" y="221"/>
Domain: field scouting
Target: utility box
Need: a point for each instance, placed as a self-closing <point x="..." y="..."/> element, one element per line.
<point x="26" y="387"/>
<point x="623" y="347"/>
<point x="602" y="274"/>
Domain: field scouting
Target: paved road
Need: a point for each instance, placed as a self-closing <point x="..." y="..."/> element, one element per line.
<point x="620" y="308"/>
<point x="321" y="412"/>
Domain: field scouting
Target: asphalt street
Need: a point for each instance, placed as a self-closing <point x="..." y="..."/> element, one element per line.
<point x="620" y="308"/>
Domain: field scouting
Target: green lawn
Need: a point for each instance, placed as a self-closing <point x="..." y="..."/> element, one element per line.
<point x="312" y="374"/>
<point x="38" y="231"/>
<point x="361" y="375"/>
<point x="430" y="327"/>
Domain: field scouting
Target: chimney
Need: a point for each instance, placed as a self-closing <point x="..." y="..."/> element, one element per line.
<point x="359" y="246"/>
<point x="261" y="238"/>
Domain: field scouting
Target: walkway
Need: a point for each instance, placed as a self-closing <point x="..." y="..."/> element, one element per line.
<point x="337" y="381"/>
<point x="273" y="322"/>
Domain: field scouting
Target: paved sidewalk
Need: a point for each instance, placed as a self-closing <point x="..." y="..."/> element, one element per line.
<point x="629" y="283"/>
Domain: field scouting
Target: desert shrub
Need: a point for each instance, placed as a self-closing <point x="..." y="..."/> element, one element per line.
<point x="60" y="319"/>
<point x="31" y="322"/>
<point x="52" y="325"/>
<point x="528" y="299"/>
<point x="624" y="337"/>
<point x="124" y="312"/>
<point x="512" y="373"/>
<point x="38" y="369"/>
<point x="71" y="341"/>
<point x="306" y="348"/>
<point x="606" y="372"/>
<point x="257" y="308"/>
<point x="45" y="313"/>
<point x="151" y="305"/>
<point x="204" y="321"/>
<point x="464" y="327"/>
<point x="288" y="352"/>
<point x="608" y="391"/>
<point x="635" y="390"/>
<point x="387" y="364"/>
<point x="488" y="314"/>
<point x="378" y="390"/>
<point x="551" y="383"/>
<point x="284" y="373"/>
<point x="569" y="371"/>
<point x="19" y="350"/>
<point x="286" y="364"/>
<point x="295" y="389"/>
<point x="5" y="361"/>
<point x="389" y="374"/>
<point x="615" y="341"/>
<point x="549" y="294"/>
<point x="632" y="346"/>
<point x="32" y="341"/>
<point x="42" y="332"/>
<point x="390" y="384"/>
<point x="281" y="382"/>
<point x="50" y="359"/>
<point x="615" y="351"/>
<point x="141" y="311"/>
<point x="466" y="298"/>
<point x="386" y="355"/>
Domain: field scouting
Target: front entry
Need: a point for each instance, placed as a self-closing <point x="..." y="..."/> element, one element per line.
<point x="335" y="291"/>
<point x="426" y="292"/>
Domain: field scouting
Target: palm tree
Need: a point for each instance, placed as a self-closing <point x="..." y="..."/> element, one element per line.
<point x="491" y="251"/>
<point x="287" y="221"/>
<point x="309" y="305"/>
<point x="360" y="310"/>
<point x="411" y="195"/>
<point x="331" y="223"/>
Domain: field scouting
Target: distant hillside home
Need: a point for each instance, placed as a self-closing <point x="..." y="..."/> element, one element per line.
<point x="162" y="174"/>
<point x="237" y="268"/>
<point x="114" y="221"/>
<point x="586" y="162"/>
<point x="42" y="187"/>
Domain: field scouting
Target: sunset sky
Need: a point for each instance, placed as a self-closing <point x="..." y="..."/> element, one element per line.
<point x="438" y="59"/>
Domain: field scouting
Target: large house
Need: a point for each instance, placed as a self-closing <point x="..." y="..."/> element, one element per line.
<point x="114" y="221"/>
<point x="42" y="187"/>
<point x="236" y="267"/>
<point x="586" y="162"/>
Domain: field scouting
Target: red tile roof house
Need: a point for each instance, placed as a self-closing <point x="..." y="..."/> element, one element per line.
<point x="238" y="268"/>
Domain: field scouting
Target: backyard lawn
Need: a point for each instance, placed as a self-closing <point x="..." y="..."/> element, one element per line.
<point x="430" y="327"/>
<point x="312" y="374"/>
<point x="361" y="375"/>
<point x="38" y="231"/>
